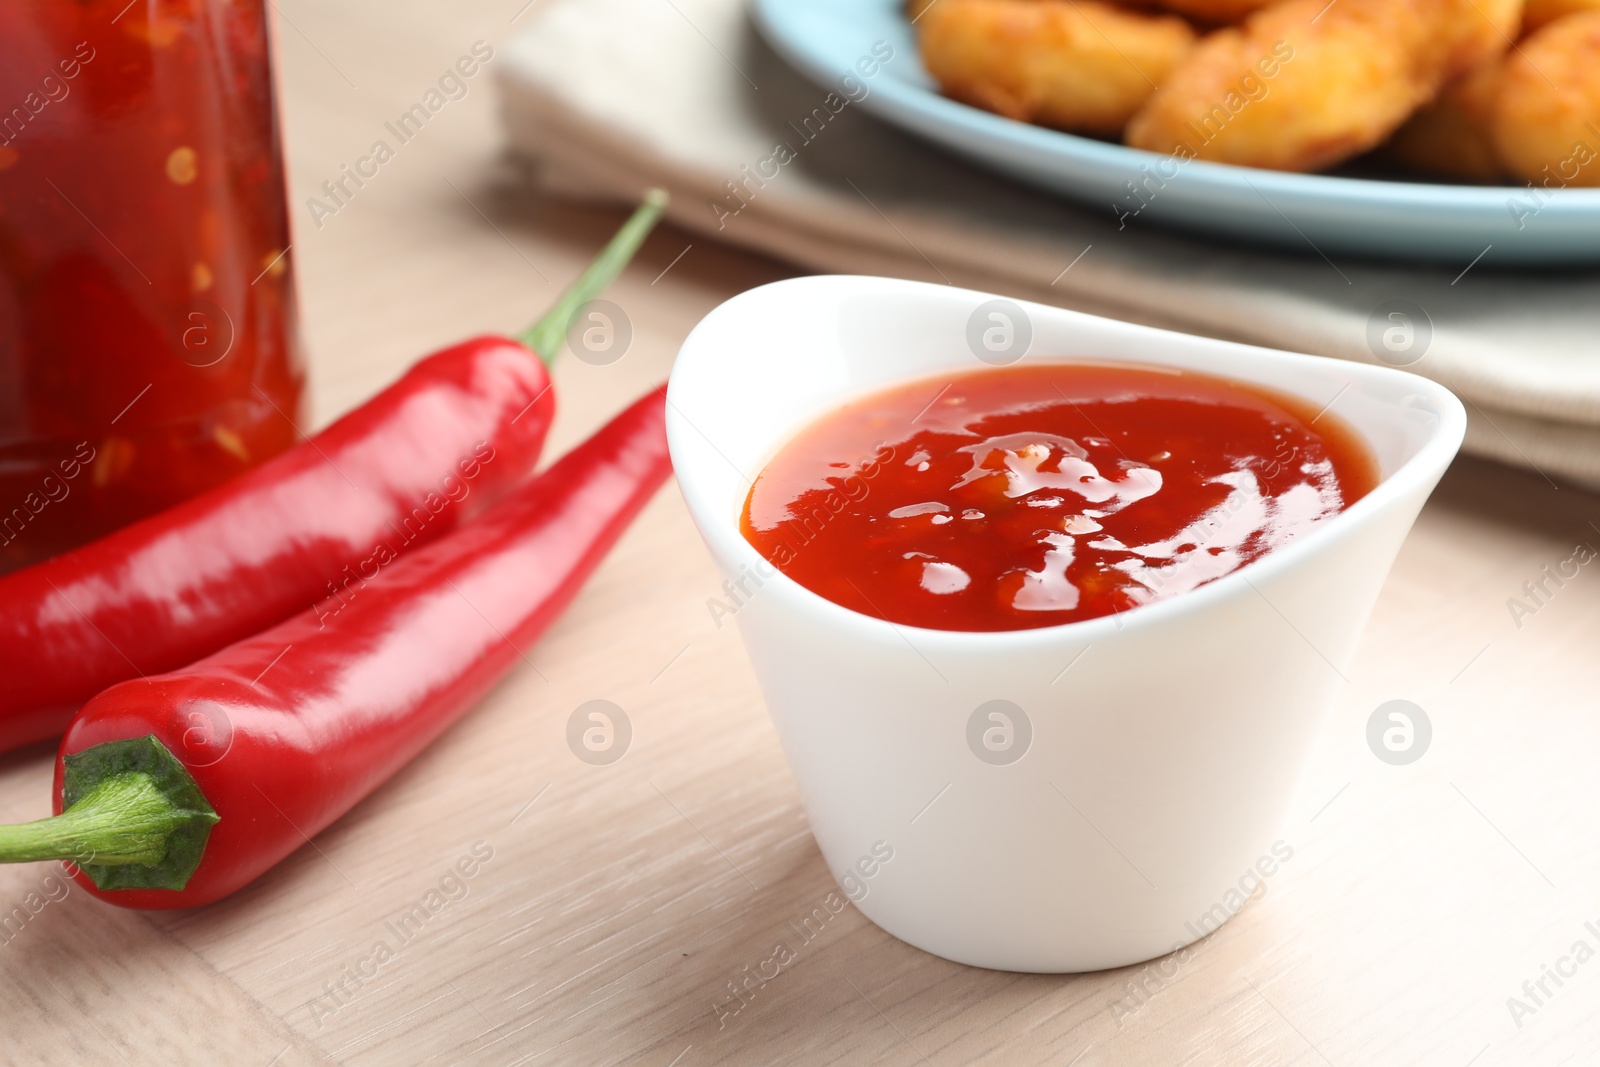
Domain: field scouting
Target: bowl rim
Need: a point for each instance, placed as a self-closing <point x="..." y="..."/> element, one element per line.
<point x="721" y="532"/>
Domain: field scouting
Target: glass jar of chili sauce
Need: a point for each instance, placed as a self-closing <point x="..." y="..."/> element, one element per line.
<point x="148" y="347"/>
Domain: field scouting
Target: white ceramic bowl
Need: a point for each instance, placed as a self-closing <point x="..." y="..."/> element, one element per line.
<point x="1165" y="742"/>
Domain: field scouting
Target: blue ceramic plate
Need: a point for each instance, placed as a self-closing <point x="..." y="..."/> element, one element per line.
<point x="1507" y="226"/>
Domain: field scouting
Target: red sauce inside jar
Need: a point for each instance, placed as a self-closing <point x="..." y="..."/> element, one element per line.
<point x="147" y="317"/>
<point x="1018" y="497"/>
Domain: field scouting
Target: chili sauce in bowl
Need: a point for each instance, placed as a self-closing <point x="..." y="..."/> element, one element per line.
<point x="1017" y="497"/>
<point x="952" y="515"/>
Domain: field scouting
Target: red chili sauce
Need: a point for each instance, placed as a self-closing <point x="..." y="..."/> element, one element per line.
<point x="1017" y="497"/>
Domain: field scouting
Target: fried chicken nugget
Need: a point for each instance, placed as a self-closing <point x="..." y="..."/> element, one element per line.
<point x="1306" y="84"/>
<point x="1209" y="12"/>
<point x="1480" y="31"/>
<point x="1077" y="65"/>
<point x="1540" y="13"/>
<point x="1450" y="137"/>
<point x="1546" y="119"/>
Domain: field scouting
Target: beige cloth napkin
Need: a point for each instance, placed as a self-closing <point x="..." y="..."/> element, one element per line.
<point x="610" y="96"/>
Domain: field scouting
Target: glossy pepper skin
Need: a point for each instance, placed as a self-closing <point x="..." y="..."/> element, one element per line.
<point x="449" y="437"/>
<point x="287" y="730"/>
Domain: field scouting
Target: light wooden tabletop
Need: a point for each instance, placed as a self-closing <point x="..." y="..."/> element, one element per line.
<point x="617" y="902"/>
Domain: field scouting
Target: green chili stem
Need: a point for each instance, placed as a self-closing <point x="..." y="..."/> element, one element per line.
<point x="547" y="335"/>
<point x="133" y="818"/>
<point x="124" y="819"/>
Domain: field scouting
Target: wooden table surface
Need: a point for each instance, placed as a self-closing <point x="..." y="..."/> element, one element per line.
<point x="617" y="902"/>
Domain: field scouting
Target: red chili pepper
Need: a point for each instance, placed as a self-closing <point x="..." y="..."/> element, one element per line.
<point x="455" y="433"/>
<point x="181" y="788"/>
